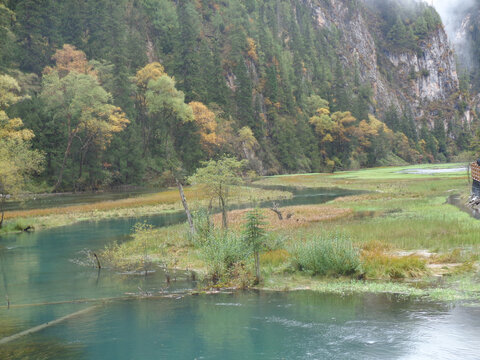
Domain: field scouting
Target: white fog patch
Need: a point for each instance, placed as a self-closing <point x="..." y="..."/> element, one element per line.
<point x="455" y="16"/>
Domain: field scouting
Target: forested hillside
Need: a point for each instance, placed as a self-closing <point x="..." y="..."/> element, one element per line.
<point x="133" y="91"/>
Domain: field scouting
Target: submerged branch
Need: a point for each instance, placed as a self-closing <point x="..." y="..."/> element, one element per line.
<point x="44" y="325"/>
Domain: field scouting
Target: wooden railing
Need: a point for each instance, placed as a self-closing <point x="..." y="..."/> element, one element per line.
<point x="475" y="171"/>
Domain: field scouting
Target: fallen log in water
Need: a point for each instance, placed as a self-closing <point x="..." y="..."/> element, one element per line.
<point x="173" y="295"/>
<point x="78" y="301"/>
<point x="45" y="325"/>
<point x="126" y="297"/>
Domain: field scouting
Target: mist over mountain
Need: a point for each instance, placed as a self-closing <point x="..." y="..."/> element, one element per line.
<point x="290" y="86"/>
<point x="456" y="17"/>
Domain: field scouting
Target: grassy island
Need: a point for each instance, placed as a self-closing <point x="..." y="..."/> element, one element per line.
<point x="399" y="235"/>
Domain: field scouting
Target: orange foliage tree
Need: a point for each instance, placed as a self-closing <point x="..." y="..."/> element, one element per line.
<point x="207" y="126"/>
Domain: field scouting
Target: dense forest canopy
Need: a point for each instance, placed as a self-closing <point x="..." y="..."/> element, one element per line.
<point x="134" y="91"/>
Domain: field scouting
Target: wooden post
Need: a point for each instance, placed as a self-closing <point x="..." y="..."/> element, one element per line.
<point x="185" y="206"/>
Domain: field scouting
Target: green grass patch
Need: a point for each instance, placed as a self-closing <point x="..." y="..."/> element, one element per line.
<point x="400" y="212"/>
<point x="332" y="255"/>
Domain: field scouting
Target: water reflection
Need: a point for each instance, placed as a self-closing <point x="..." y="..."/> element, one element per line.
<point x="37" y="268"/>
<point x="251" y="325"/>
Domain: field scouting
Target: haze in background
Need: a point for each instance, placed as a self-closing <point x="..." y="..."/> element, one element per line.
<point x="454" y="14"/>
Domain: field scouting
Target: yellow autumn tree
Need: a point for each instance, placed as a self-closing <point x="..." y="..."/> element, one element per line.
<point x="70" y="59"/>
<point x="82" y="106"/>
<point x="17" y="160"/>
<point x="151" y="71"/>
<point x="252" y="49"/>
<point x="374" y="141"/>
<point x="207" y="125"/>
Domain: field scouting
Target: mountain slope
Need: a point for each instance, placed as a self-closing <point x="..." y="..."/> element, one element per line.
<point x="264" y="65"/>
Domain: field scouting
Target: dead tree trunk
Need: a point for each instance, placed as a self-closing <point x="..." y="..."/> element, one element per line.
<point x="257" y="267"/>
<point x="185" y="206"/>
<point x="224" y="212"/>
<point x="276" y="211"/>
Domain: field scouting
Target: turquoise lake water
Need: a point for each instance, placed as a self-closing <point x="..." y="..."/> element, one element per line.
<point x="40" y="275"/>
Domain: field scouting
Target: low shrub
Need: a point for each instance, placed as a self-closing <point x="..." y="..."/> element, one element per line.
<point x="19" y="225"/>
<point x="222" y="251"/>
<point x="326" y="255"/>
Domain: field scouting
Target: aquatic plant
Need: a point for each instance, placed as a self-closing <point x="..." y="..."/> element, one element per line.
<point x="326" y="255"/>
<point x="222" y="251"/>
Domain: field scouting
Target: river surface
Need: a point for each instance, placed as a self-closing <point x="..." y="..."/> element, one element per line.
<point x="40" y="276"/>
<point x="41" y="201"/>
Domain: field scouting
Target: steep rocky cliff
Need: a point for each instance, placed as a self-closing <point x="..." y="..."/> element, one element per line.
<point x="301" y="78"/>
<point x="419" y="81"/>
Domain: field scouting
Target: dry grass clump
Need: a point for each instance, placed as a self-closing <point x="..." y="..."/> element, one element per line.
<point x="376" y="245"/>
<point x="274" y="258"/>
<point x="378" y="264"/>
<point x="301" y="216"/>
<point x="381" y="262"/>
<point x="451" y="257"/>
<point x="359" y="198"/>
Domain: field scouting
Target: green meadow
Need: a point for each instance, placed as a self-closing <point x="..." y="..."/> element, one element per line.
<point x="397" y="231"/>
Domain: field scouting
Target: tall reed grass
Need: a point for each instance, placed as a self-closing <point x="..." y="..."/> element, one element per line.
<point x="333" y="255"/>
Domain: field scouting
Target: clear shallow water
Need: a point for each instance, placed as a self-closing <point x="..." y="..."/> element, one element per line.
<point x="66" y="199"/>
<point x="460" y="203"/>
<point x="435" y="171"/>
<point x="301" y="325"/>
<point x="37" y="268"/>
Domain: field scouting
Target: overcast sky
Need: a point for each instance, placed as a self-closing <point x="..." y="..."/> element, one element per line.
<point x="451" y="11"/>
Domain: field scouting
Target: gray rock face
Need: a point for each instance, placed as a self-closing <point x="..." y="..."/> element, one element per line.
<point x="436" y="69"/>
<point x="401" y="78"/>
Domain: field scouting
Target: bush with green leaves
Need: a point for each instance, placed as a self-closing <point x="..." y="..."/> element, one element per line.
<point x="222" y="251"/>
<point x="333" y="255"/>
<point x="203" y="228"/>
